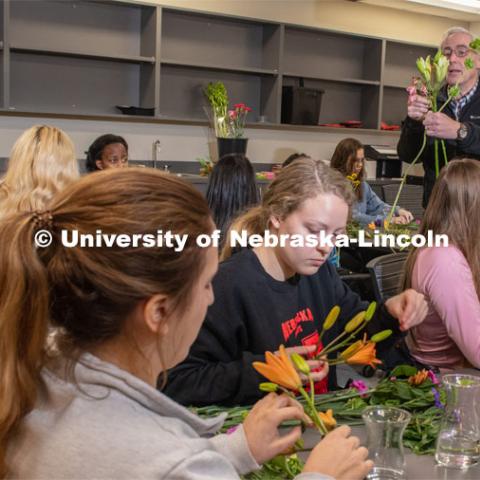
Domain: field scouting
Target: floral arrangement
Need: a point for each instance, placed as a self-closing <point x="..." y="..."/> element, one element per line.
<point x="226" y="123"/>
<point x="206" y="166"/>
<point x="283" y="371"/>
<point x="418" y="391"/>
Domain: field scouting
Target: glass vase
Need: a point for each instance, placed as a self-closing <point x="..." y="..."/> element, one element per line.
<point x="458" y="443"/>
<point x="385" y="427"/>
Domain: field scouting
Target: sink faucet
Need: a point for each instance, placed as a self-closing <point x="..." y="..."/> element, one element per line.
<point x="156" y="147"/>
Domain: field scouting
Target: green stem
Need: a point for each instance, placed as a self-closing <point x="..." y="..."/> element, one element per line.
<point x="329" y="348"/>
<point x="444" y="151"/>
<point x="312" y="389"/>
<point x="313" y="412"/>
<point x="325" y="349"/>
<point x="435" y="150"/>
<point x="404" y="179"/>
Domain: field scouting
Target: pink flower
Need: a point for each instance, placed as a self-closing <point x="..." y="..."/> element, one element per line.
<point x="360" y="386"/>
<point x="239" y="105"/>
<point x="433" y="377"/>
<point x="232" y="429"/>
<point x="392" y="379"/>
<point x="411" y="90"/>
<point x="232" y="113"/>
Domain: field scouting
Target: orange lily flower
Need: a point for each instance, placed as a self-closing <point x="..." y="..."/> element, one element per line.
<point x="327" y="419"/>
<point x="372" y="226"/>
<point x="279" y="369"/>
<point x="418" y="378"/>
<point x="365" y="354"/>
<point x="386" y="224"/>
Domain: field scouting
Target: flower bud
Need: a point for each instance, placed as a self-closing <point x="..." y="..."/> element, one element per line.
<point x="331" y="317"/>
<point x="300" y="363"/>
<point x="380" y="336"/>
<point x="425" y="69"/>
<point x="355" y="322"/>
<point x="268" y="387"/>
<point x="370" y="311"/>
<point x="441" y="69"/>
<point x="351" y="349"/>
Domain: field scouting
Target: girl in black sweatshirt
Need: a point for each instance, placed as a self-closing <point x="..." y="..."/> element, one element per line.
<point x="268" y="296"/>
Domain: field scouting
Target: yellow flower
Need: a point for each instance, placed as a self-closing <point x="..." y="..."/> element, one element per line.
<point x="279" y="369"/>
<point x="331" y="318"/>
<point x="355" y="322"/>
<point x="386" y="224"/>
<point x="348" y="352"/>
<point x="353" y="179"/>
<point x="418" y="378"/>
<point x="372" y="226"/>
<point x="327" y="419"/>
<point x="364" y="354"/>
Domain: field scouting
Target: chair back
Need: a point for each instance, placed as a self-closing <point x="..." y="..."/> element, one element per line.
<point x="386" y="273"/>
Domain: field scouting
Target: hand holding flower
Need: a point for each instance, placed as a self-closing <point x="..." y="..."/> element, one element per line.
<point x="439" y="125"/>
<point x="417" y="107"/>
<point x="261" y="426"/>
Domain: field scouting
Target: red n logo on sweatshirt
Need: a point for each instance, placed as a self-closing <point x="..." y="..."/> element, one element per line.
<point x="294" y="325"/>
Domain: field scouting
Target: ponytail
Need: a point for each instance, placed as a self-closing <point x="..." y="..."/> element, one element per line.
<point x="23" y="324"/>
<point x="253" y="222"/>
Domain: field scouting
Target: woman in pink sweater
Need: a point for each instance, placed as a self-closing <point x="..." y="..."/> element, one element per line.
<point x="449" y="277"/>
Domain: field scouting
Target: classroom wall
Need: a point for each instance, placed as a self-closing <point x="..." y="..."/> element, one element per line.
<point x="186" y="143"/>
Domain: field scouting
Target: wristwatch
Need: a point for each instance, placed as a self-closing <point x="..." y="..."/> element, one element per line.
<point x="462" y="132"/>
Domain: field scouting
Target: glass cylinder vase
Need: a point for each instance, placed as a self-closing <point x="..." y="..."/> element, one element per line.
<point x="385" y="427"/>
<point x="458" y="443"/>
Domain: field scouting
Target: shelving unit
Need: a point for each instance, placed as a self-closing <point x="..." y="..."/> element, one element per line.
<point x="80" y="58"/>
<point x="399" y="69"/>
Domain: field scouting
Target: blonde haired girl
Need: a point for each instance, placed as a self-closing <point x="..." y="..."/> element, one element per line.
<point x="42" y="162"/>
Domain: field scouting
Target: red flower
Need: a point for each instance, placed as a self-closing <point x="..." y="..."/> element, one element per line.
<point x="239" y="105"/>
<point x="248" y="109"/>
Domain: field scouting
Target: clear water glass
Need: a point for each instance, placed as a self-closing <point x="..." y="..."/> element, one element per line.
<point x="385" y="427"/>
<point x="458" y="443"/>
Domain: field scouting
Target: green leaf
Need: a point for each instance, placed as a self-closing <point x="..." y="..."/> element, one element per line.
<point x="469" y="63"/>
<point x="403" y="371"/>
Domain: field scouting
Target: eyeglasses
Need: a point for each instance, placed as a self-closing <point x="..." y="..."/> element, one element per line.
<point x="460" y="52"/>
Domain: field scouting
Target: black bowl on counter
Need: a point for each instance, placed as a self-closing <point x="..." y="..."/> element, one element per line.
<point x="131" y="110"/>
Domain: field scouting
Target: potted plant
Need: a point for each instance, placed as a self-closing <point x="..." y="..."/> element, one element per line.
<point x="228" y="124"/>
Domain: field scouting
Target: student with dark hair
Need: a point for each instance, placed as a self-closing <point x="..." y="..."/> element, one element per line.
<point x="349" y="160"/>
<point x="107" y="151"/>
<point x="231" y="189"/>
<point x="293" y="157"/>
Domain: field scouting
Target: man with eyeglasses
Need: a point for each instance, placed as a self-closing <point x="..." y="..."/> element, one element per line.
<point x="458" y="124"/>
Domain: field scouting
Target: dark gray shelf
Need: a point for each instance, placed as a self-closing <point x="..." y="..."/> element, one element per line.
<point x="79" y="54"/>
<point x="78" y="59"/>
<point x="355" y="81"/>
<point x="400" y="87"/>
<point x="224" y="68"/>
<point x="161" y="119"/>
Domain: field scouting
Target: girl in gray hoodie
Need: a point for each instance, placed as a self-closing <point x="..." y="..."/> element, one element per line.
<point x="124" y="307"/>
